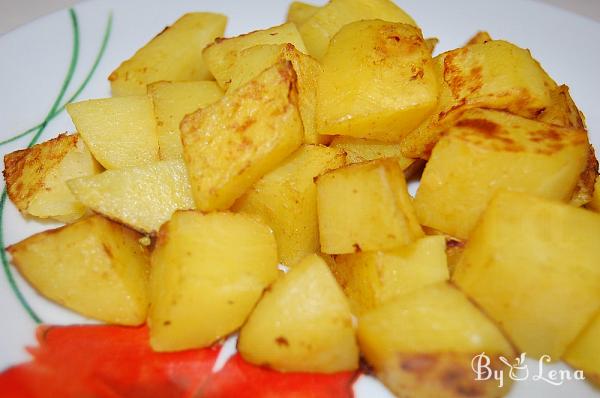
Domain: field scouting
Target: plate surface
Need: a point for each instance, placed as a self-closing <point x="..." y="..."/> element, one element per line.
<point x="68" y="55"/>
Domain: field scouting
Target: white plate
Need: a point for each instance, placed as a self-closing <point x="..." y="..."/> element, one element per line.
<point x="37" y="57"/>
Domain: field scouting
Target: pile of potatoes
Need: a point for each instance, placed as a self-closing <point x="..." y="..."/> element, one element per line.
<point x="217" y="159"/>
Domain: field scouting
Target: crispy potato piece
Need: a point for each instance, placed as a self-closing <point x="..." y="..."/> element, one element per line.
<point x="221" y="56"/>
<point x="253" y="60"/>
<point x="94" y="266"/>
<point x="141" y="197"/>
<point x="490" y="150"/>
<point x="172" y="101"/>
<point x="422" y="344"/>
<point x="361" y="150"/>
<point x="299" y="12"/>
<point x="371" y="279"/>
<point x="365" y="206"/>
<point x="175" y="54"/>
<point x="378" y="82"/>
<point x="36" y="177"/>
<point x="595" y="202"/>
<point x="230" y="145"/>
<point x="318" y="30"/>
<point x="492" y="75"/>
<point x="208" y="272"/>
<point x="480" y="37"/>
<point x="120" y="132"/>
<point x="286" y="200"/>
<point x="545" y="288"/>
<point x="302" y="324"/>
<point x="584" y="352"/>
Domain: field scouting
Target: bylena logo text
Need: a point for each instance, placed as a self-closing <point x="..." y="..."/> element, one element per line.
<point x="519" y="370"/>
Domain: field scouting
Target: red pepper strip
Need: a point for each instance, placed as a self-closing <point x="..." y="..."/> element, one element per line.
<point x="105" y="362"/>
<point x="117" y="362"/>
<point x="239" y="379"/>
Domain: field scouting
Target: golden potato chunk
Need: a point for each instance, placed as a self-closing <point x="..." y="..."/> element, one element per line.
<point x="318" y="30"/>
<point x="175" y="54"/>
<point x="490" y="150"/>
<point x="253" y="60"/>
<point x="141" y="197"/>
<point x="208" y="272"/>
<point x="172" y="101"/>
<point x="222" y="55"/>
<point x="120" y="132"/>
<point x="378" y="82"/>
<point x="532" y="266"/>
<point x="230" y="145"/>
<point x="365" y="206"/>
<point x="299" y="12"/>
<point x="371" y="279"/>
<point x="422" y="344"/>
<point x="36" y="177"/>
<point x="584" y="353"/>
<point x="493" y="75"/>
<point x="361" y="150"/>
<point x="94" y="266"/>
<point x="302" y="324"/>
<point x="286" y="200"/>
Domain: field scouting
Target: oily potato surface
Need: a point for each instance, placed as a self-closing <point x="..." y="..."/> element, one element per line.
<point x="231" y="144"/>
<point x="208" y="272"/>
<point x="94" y="266"/>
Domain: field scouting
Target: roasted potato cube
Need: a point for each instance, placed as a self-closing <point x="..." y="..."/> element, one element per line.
<point x="120" y="132"/>
<point x="365" y="206"/>
<point x="299" y="12"/>
<point x="302" y="324"/>
<point x="36" y="177"/>
<point x="318" y="30"/>
<point x="493" y="75"/>
<point x="377" y="82"/>
<point x="532" y="265"/>
<point x="253" y="60"/>
<point x="94" y="266"/>
<point x="175" y="54"/>
<point x="286" y="200"/>
<point x="141" y="197"/>
<point x="230" y="145"/>
<point x="222" y="55"/>
<point x="499" y="75"/>
<point x="371" y="279"/>
<point x="422" y="344"/>
<point x="595" y="202"/>
<point x="208" y="272"/>
<point x="490" y="150"/>
<point x="584" y="353"/>
<point x="172" y="101"/>
<point x="361" y="150"/>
